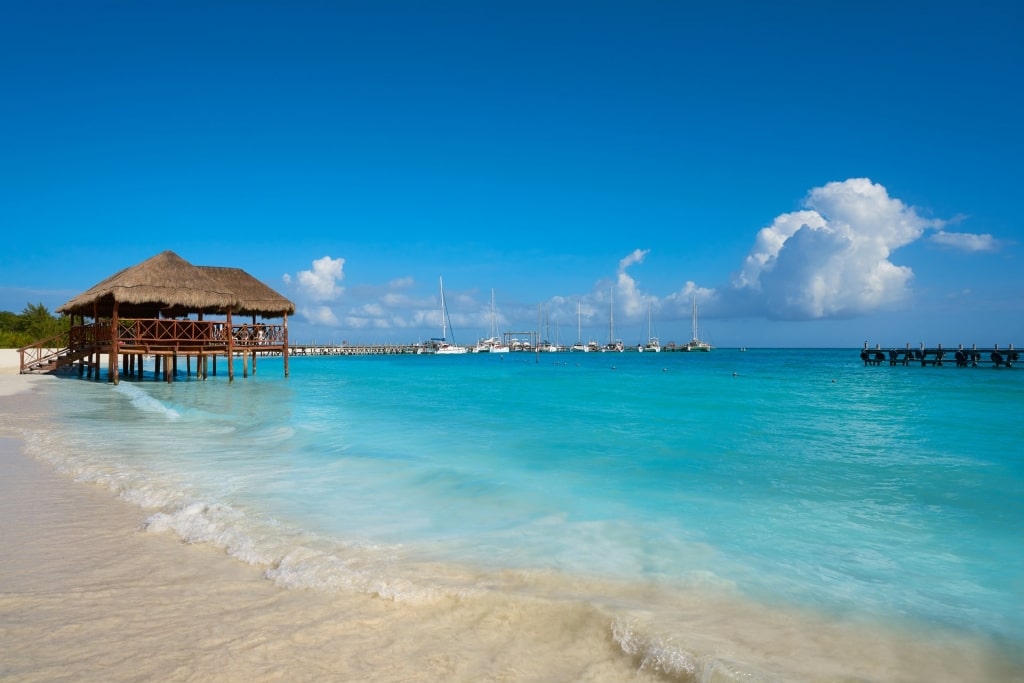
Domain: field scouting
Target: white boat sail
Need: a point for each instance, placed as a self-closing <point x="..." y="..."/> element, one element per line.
<point x="696" y="344"/>
<point x="492" y="344"/>
<point x="442" y="345"/>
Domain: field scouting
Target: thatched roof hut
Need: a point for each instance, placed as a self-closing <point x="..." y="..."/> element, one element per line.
<point x="168" y="284"/>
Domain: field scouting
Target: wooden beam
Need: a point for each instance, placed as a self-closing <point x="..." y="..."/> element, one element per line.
<point x="284" y="350"/>
<point x="231" y="349"/>
<point x="114" y="338"/>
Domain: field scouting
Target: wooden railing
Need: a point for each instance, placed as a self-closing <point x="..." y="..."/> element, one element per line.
<point x="44" y="352"/>
<point x="258" y="335"/>
<point x="162" y="336"/>
<point x="197" y="334"/>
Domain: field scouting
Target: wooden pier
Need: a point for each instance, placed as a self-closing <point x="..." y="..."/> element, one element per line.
<point x="354" y="349"/>
<point x="960" y="357"/>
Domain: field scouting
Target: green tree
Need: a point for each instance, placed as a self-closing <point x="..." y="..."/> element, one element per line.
<point x="34" y="323"/>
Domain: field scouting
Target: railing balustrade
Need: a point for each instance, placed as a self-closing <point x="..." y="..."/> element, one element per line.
<point x="149" y="335"/>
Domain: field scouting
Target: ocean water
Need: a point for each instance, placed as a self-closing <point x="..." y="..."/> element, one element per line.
<point x="761" y="515"/>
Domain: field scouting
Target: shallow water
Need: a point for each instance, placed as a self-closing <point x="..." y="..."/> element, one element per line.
<point x="772" y="514"/>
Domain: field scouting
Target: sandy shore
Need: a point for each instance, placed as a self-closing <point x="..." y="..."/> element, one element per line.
<point x="11" y="379"/>
<point x="86" y="595"/>
<point x="11" y="382"/>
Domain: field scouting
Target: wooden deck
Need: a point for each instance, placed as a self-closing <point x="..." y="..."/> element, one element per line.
<point x="165" y="340"/>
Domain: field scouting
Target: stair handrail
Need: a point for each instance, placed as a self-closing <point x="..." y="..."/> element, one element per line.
<point x="44" y="351"/>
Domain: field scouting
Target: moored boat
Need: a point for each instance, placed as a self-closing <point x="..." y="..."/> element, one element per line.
<point x="441" y="344"/>
<point x="696" y="344"/>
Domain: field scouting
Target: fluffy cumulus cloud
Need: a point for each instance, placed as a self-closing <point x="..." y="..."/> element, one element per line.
<point x="629" y="298"/>
<point x="320" y="283"/>
<point x="832" y="258"/>
<point x="316" y="287"/>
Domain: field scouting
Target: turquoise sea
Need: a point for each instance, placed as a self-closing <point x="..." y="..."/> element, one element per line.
<point x="773" y="514"/>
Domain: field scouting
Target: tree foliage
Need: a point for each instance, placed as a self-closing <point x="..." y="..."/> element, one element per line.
<point x="34" y="323"/>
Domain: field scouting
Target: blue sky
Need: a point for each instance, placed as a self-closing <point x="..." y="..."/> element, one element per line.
<point x="815" y="173"/>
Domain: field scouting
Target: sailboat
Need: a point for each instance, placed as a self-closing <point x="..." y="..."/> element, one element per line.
<point x="696" y="344"/>
<point x="579" y="345"/>
<point x="546" y="345"/>
<point x="613" y="343"/>
<point x="493" y="344"/>
<point x="442" y="344"/>
<point x="652" y="342"/>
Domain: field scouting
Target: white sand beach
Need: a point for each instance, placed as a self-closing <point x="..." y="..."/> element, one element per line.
<point x="11" y="382"/>
<point x="8" y="361"/>
<point x="86" y="595"/>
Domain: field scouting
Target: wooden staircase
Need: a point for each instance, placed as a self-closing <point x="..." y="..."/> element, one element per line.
<point x="49" y="355"/>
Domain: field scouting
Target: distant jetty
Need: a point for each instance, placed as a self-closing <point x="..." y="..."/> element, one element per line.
<point x="959" y="357"/>
<point x="515" y="346"/>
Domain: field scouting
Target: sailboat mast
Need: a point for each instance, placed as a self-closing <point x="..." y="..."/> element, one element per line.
<point x="494" y="324"/>
<point x="445" y="320"/>
<point x="694" y="322"/>
<point x="444" y="328"/>
<point x="611" y="316"/>
<point x="579" y="322"/>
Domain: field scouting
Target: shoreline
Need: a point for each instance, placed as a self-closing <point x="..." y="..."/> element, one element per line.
<point x="87" y="595"/>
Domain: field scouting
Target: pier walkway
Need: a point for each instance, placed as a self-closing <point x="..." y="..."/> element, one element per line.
<point x="960" y="357"/>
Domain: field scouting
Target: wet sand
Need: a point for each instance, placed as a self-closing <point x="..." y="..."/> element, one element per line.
<point x="86" y="595"/>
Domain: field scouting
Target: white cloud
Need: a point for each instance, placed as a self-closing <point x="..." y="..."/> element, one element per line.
<point x="629" y="298"/>
<point x="683" y="299"/>
<point x="321" y="283"/>
<point x="832" y="259"/>
<point x="965" y="241"/>
<point x="320" y="315"/>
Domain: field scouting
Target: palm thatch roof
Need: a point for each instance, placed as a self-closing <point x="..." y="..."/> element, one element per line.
<point x="254" y="297"/>
<point x="168" y="284"/>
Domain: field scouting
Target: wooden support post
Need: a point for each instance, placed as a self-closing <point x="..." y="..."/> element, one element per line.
<point x="231" y="349"/>
<point x="284" y="349"/>
<point x="114" y="342"/>
<point x="156" y="366"/>
<point x="188" y="365"/>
